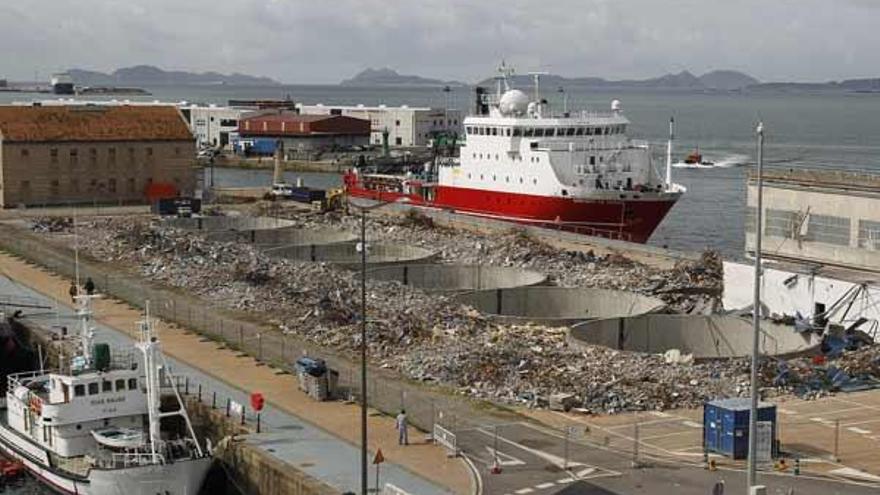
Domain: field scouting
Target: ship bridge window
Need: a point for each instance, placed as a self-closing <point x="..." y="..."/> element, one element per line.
<point x="592" y="160"/>
<point x="93" y="388"/>
<point x="541" y="132"/>
<point x="517" y="132"/>
<point x="481" y="130"/>
<point x="507" y="132"/>
<point x="132" y="383"/>
<point x="494" y="131"/>
<point x="120" y="385"/>
<point x="579" y="131"/>
<point x="106" y="386"/>
<point x="79" y="390"/>
<point x="528" y="132"/>
<point x="570" y="131"/>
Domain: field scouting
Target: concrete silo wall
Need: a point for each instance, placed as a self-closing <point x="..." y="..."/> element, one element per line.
<point x="456" y="278"/>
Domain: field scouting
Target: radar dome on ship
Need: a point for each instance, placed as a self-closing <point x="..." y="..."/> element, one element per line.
<point x="513" y="102"/>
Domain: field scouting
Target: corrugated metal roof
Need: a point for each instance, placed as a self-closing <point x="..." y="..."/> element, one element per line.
<point x="90" y="123"/>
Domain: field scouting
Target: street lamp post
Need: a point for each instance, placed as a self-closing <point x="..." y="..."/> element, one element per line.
<point x="756" y="317"/>
<point x="364" y="208"/>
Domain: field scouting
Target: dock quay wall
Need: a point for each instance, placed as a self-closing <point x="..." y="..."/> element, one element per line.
<point x="426" y="405"/>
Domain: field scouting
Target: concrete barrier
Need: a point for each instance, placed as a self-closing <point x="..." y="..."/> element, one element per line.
<point x="457" y="278"/>
<point x="227" y="223"/>
<point x="284" y="236"/>
<point x="559" y="306"/>
<point x="706" y="337"/>
<point x="346" y="255"/>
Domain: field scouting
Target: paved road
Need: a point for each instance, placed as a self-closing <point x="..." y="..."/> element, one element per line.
<point x="532" y="461"/>
<point x="292" y="440"/>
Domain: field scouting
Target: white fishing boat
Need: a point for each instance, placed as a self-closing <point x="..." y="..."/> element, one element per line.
<point x="94" y="427"/>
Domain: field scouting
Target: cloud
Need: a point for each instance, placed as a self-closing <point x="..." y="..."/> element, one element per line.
<point x="317" y="41"/>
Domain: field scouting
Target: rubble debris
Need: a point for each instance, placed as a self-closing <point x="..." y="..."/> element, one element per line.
<point x="431" y="337"/>
<point x="47" y="225"/>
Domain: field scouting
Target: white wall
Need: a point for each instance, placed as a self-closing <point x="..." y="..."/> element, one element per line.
<point x="410" y="125"/>
<point x="801" y="295"/>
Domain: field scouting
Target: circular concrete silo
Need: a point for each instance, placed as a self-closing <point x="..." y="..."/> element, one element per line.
<point x="457" y="278"/>
<point x="284" y="236"/>
<point x="221" y="224"/>
<point x="706" y="337"/>
<point x="346" y="255"/>
<point x="559" y="306"/>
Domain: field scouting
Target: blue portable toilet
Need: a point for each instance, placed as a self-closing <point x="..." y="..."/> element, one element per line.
<point x="726" y="426"/>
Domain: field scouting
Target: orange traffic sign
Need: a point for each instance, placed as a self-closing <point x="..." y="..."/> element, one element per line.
<point x="379" y="459"/>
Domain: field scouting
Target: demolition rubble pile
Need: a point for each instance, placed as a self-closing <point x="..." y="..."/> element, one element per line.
<point x="426" y="337"/>
<point x="691" y="287"/>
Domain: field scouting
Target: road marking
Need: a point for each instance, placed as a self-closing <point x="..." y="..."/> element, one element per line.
<point x="544" y="486"/>
<point x="553" y="459"/>
<point x="855" y="473"/>
<point x="504" y="459"/>
<point x="660" y="414"/>
<point x="564" y="481"/>
<point x="787" y="411"/>
<point x="823" y="421"/>
<point x="858" y="430"/>
<point x="692" y="424"/>
<point x="583" y="472"/>
<point x="524" y="491"/>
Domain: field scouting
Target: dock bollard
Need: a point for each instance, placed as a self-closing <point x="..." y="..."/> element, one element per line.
<point x="243" y="413"/>
<point x="258" y="422"/>
<point x="228" y="407"/>
<point x="200" y="393"/>
<point x="186" y="386"/>
<point x="214" y="400"/>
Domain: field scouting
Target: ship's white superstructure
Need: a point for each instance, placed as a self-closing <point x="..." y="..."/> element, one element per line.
<point x="95" y="426"/>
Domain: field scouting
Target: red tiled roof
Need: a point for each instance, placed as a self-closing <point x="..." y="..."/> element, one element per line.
<point x="92" y="123"/>
<point x="293" y="124"/>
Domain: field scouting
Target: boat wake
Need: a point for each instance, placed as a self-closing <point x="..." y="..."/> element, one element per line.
<point x="729" y="161"/>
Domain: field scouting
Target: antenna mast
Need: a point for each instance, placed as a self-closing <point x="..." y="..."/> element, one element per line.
<point x="669" y="153"/>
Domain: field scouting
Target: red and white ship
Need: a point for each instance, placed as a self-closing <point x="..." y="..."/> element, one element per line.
<point x="521" y="163"/>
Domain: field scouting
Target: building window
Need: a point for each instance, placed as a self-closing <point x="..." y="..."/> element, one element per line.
<point x="25" y="153"/>
<point x="828" y="229"/>
<point x="53" y="187"/>
<point x="79" y="390"/>
<point x="131" y="185"/>
<point x="869" y="235"/>
<point x="53" y="155"/>
<point x="120" y="385"/>
<point x="132" y="383"/>
<point x="25" y="186"/>
<point x="131" y="154"/>
<point x="397" y="123"/>
<point x="74" y="185"/>
<point x="111" y="156"/>
<point x="106" y="386"/>
<point x="93" y="156"/>
<point x="111" y="185"/>
<point x="74" y="156"/>
<point x="398" y="141"/>
<point x="780" y="223"/>
<point x="177" y="151"/>
<point x="93" y="388"/>
<point x="149" y="152"/>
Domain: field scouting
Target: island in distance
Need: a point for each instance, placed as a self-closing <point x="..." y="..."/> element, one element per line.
<point x="148" y="75"/>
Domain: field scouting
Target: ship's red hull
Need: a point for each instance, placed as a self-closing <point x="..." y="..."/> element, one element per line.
<point x="626" y="219"/>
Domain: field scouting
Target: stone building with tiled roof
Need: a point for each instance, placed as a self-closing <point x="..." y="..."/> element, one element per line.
<point x="106" y="154"/>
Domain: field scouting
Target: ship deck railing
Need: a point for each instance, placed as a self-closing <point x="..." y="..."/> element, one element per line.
<point x="564" y="146"/>
<point x="131" y="459"/>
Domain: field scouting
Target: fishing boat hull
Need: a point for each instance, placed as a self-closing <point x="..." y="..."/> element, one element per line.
<point x="182" y="477"/>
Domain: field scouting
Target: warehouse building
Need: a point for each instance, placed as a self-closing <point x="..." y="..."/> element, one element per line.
<point x="87" y="153"/>
<point x="216" y="126"/>
<point x="407" y="127"/>
<point x="258" y="134"/>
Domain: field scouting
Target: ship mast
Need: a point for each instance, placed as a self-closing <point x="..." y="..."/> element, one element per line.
<point x="150" y="348"/>
<point x="669" y="153"/>
<point x="86" y="330"/>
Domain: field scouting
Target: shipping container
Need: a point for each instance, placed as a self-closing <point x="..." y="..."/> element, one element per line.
<point x="307" y="194"/>
<point x="726" y="426"/>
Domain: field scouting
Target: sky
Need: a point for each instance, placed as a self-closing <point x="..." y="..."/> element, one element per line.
<point x="325" y="41"/>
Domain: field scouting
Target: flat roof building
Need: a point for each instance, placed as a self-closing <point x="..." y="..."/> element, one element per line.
<point x="112" y="153"/>
<point x="819" y="217"/>
<point x="258" y="133"/>
<point x="407" y="127"/>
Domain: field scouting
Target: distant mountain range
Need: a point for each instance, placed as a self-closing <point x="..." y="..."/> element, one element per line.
<point x="147" y="75"/>
<point x="726" y="80"/>
<point x="390" y="77"/>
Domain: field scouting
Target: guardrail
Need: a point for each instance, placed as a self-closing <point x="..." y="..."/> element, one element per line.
<point x="446" y="438"/>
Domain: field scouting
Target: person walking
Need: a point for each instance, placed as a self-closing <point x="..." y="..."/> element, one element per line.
<point x="90" y="286"/>
<point x="73" y="291"/>
<point x="402" y="436"/>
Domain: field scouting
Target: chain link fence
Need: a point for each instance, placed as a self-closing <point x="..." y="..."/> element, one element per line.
<point x="386" y="391"/>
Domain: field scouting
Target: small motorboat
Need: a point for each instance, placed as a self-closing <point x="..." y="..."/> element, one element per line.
<point x="696" y="159"/>
<point x="119" y="438"/>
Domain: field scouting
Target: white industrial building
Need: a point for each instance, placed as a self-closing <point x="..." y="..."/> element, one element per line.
<point x="407" y="127"/>
<point x="214" y="125"/>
